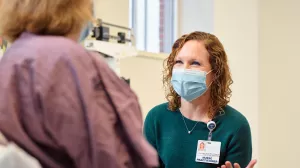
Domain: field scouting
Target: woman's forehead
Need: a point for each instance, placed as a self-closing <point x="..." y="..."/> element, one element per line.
<point x="193" y="50"/>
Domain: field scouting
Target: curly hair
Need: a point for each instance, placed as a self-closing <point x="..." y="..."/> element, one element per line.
<point x="220" y="88"/>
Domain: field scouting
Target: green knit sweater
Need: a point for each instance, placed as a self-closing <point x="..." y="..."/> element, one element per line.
<point x="166" y="132"/>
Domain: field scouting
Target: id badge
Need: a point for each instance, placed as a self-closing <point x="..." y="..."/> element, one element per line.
<point x="208" y="152"/>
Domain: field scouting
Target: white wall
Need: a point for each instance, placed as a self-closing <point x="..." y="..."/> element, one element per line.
<point x="145" y="75"/>
<point x="279" y="83"/>
<point x="236" y="25"/>
<point x="113" y="11"/>
<point x="194" y="15"/>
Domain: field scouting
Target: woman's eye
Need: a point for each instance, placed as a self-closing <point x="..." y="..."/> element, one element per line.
<point x="178" y="62"/>
<point x="195" y="63"/>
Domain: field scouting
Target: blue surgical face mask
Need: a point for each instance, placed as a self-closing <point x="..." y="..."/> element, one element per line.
<point x="85" y="32"/>
<point x="189" y="83"/>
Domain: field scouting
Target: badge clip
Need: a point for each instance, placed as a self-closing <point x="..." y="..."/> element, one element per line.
<point x="211" y="126"/>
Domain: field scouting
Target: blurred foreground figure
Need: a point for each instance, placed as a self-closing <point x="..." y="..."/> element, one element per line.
<point x="59" y="103"/>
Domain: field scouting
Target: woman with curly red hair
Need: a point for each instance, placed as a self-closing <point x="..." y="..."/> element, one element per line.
<point x="197" y="82"/>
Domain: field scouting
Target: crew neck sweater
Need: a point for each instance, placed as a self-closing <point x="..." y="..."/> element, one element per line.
<point x="166" y="131"/>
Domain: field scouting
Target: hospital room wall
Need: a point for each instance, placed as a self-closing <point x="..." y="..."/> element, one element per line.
<point x="279" y="83"/>
<point x="112" y="11"/>
<point x="236" y="25"/>
<point x="261" y="39"/>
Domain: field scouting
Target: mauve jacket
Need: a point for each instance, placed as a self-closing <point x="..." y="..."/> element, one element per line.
<point x="65" y="106"/>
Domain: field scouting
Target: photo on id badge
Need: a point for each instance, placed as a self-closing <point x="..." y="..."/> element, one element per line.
<point x="208" y="152"/>
<point x="201" y="146"/>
